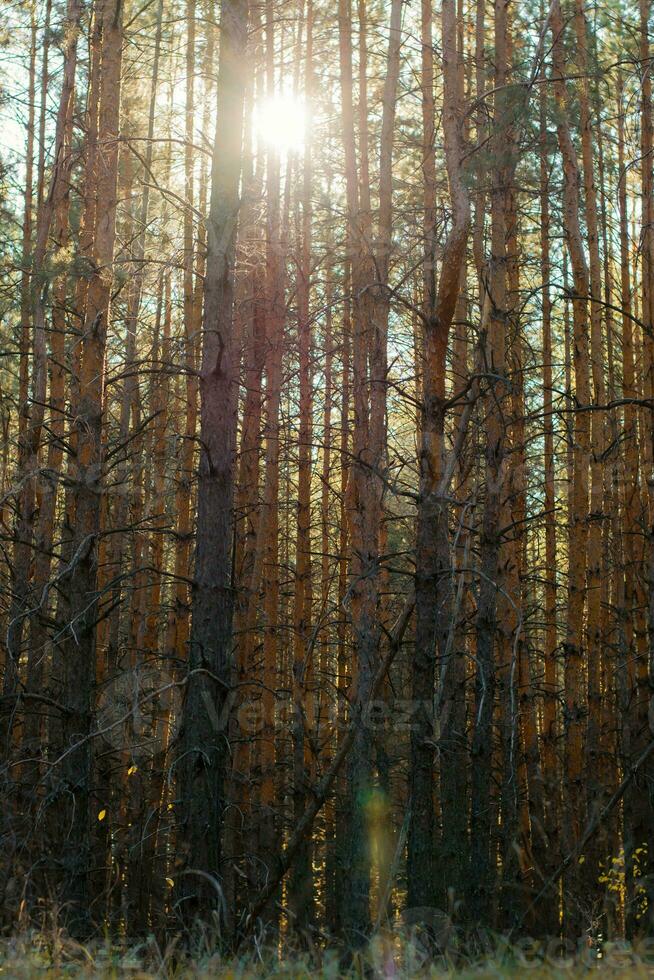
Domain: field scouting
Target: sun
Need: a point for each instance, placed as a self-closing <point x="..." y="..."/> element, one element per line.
<point x="281" y="122"/>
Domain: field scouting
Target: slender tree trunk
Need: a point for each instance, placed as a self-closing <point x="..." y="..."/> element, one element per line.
<point x="275" y="316"/>
<point x="631" y="508"/>
<point x="301" y="883"/>
<point x="179" y="614"/>
<point x="343" y="669"/>
<point x="78" y="651"/>
<point x="25" y="498"/>
<point x="545" y="849"/>
<point x="482" y="869"/>
<point x="595" y="571"/>
<point x="575" y="699"/>
<point x="371" y="307"/>
<point x="52" y="222"/>
<point x="43" y="108"/>
<point x="643" y="833"/>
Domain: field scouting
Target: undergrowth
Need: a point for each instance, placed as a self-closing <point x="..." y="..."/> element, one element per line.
<point x="54" y="954"/>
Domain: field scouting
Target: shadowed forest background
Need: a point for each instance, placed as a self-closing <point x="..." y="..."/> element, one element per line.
<point x="326" y="469"/>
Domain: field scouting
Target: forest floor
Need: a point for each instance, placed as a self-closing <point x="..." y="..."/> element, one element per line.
<point x="45" y="956"/>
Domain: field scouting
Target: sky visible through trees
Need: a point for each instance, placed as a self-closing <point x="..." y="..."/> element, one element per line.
<point x="327" y="470"/>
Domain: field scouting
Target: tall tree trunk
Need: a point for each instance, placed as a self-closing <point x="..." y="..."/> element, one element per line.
<point x="268" y="550"/>
<point x="595" y="571"/>
<point x="25" y="498"/>
<point x="631" y="509"/>
<point x="494" y="314"/>
<point x="575" y="699"/>
<point x="301" y="883"/>
<point x="434" y="627"/>
<point x="179" y="614"/>
<point x="544" y="837"/>
<point x="52" y="222"/>
<point x="202" y="748"/>
<point x="643" y="833"/>
<point x="77" y="652"/>
<point x="371" y="307"/>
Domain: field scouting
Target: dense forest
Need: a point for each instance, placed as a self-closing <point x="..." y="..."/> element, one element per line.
<point x="327" y="470"/>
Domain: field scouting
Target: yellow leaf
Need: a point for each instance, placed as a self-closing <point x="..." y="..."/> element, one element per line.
<point x="102" y="814"/>
<point x="582" y="859"/>
<point x="132" y="770"/>
<point x="170" y="882"/>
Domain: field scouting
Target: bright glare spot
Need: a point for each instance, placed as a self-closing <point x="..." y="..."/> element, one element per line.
<point x="281" y="122"/>
<point x="13" y="136"/>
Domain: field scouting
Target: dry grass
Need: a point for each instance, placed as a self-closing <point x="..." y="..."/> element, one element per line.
<point x="54" y="955"/>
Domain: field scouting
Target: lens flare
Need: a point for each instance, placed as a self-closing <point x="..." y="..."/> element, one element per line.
<point x="281" y="122"/>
